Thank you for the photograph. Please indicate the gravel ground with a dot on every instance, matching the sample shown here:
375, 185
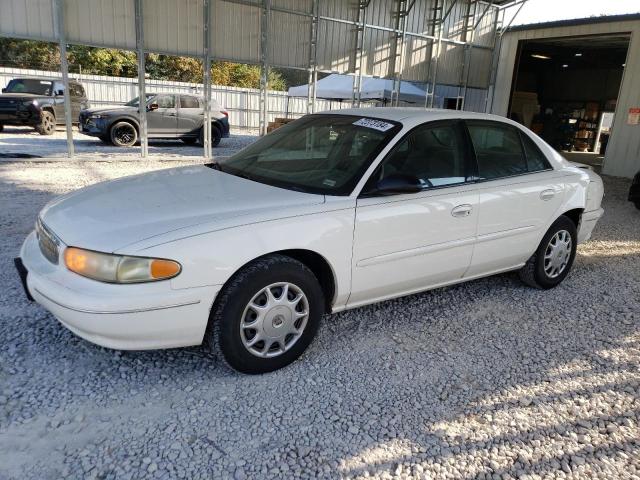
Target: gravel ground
17, 141
489, 379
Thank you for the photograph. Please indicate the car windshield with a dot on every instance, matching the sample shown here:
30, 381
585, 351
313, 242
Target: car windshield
134, 102
28, 85
324, 154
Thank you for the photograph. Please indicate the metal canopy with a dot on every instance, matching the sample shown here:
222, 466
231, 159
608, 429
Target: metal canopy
448, 42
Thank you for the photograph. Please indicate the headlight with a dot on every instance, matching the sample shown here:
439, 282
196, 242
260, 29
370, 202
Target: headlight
28, 103
106, 267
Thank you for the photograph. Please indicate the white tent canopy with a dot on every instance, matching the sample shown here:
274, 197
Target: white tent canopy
340, 87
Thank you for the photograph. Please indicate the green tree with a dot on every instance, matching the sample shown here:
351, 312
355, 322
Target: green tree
29, 54
103, 61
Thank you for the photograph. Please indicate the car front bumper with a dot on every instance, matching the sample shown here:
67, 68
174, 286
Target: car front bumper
125, 317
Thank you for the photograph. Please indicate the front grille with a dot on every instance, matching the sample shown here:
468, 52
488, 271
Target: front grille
48, 242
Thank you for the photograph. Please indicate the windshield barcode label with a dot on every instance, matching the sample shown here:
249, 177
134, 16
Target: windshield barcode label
375, 124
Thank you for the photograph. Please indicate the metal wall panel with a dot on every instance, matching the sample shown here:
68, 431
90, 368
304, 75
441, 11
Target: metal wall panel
108, 23
173, 27
377, 53
284, 28
623, 150
417, 58
235, 32
337, 40
31, 19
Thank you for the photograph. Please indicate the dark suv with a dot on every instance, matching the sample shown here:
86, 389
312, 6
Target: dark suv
169, 115
39, 103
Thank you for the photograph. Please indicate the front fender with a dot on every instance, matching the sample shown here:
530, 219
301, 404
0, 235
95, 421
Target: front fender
212, 258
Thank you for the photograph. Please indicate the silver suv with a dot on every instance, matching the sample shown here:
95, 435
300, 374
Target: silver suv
169, 115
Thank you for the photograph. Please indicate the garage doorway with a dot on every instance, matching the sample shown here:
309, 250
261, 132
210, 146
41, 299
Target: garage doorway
566, 90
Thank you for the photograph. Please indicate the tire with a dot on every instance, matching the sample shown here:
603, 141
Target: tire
123, 134
189, 140
47, 125
231, 335
1, 127
560, 244
216, 136
636, 203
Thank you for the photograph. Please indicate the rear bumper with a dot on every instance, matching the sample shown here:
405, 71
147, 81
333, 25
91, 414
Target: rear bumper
588, 223
125, 317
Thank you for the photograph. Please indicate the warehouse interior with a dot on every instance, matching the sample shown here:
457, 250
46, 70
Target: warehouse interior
566, 89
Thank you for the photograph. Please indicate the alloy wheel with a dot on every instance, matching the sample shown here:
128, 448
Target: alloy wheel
274, 320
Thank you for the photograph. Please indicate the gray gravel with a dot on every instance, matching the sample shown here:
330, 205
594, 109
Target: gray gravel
16, 141
489, 379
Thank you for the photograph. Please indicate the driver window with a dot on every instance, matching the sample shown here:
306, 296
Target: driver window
165, 101
435, 154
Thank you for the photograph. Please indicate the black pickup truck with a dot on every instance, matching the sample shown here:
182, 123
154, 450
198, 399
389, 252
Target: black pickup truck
39, 103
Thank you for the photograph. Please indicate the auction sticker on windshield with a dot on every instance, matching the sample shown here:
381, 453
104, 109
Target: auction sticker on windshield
375, 124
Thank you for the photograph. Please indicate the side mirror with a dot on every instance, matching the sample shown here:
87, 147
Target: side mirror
59, 93
397, 183
152, 107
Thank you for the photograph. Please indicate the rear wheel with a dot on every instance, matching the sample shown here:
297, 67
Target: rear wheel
554, 257
47, 125
267, 314
216, 136
123, 134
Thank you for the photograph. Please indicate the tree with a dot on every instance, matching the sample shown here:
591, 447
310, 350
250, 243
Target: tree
29, 54
103, 61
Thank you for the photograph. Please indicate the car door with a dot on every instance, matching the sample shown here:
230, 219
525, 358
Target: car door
163, 121
410, 242
58, 101
520, 195
190, 115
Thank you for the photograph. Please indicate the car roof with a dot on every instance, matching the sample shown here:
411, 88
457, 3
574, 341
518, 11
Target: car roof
402, 114
46, 79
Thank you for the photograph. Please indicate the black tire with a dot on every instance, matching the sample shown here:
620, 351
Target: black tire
216, 136
224, 333
189, 140
534, 272
123, 134
636, 203
1, 127
47, 125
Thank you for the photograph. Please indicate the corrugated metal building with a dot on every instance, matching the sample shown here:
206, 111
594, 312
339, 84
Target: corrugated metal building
593, 61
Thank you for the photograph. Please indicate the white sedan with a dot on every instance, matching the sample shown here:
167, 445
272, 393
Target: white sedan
333, 211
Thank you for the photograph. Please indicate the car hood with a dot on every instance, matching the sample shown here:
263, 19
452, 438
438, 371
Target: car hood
22, 96
112, 215
111, 109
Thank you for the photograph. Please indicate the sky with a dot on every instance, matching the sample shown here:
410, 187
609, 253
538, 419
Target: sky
535, 11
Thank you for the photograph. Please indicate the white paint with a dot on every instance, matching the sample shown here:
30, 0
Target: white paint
213, 223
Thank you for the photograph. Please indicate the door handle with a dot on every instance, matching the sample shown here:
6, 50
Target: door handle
462, 210
547, 194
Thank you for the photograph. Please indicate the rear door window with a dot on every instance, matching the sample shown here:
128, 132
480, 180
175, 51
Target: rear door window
498, 150
536, 161
188, 102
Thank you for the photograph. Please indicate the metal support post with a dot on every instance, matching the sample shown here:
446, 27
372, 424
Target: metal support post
142, 95
439, 16
206, 65
313, 59
467, 37
64, 66
360, 32
264, 65
397, 64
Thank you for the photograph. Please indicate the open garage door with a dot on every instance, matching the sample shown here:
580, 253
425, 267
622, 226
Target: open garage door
566, 90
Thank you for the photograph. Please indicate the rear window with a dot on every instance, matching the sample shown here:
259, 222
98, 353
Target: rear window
536, 161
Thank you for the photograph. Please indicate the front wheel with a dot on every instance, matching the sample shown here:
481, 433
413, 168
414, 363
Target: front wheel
554, 257
123, 134
267, 315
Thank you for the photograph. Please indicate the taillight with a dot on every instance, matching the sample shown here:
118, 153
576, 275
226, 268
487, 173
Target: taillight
225, 113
